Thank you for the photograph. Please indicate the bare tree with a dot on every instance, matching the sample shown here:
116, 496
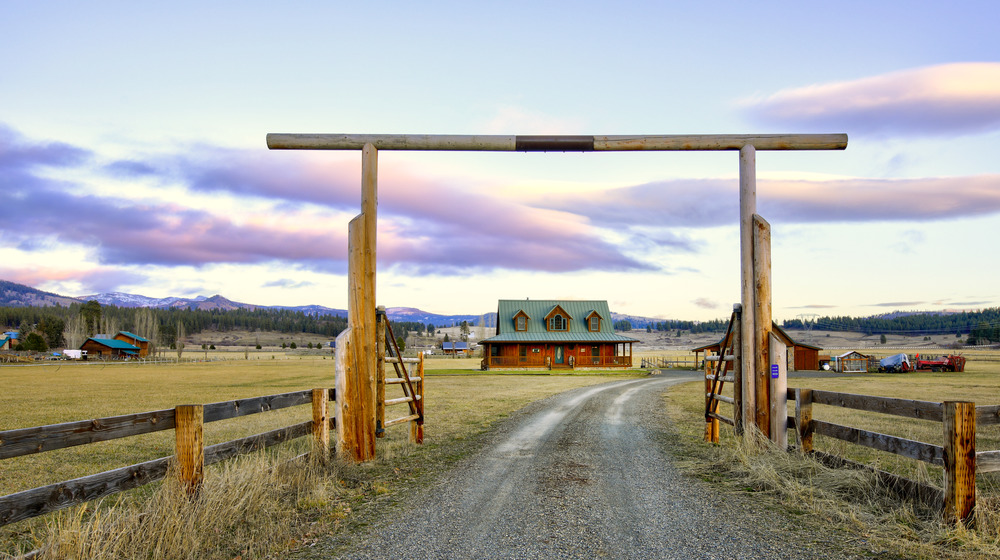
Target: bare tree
180, 339
75, 331
147, 326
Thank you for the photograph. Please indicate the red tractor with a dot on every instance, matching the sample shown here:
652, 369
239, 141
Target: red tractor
941, 363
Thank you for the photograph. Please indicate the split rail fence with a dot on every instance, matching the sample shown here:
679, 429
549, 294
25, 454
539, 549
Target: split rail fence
191, 455
659, 362
957, 455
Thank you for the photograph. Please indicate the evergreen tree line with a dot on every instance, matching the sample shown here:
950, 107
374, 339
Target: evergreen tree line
70, 326
983, 324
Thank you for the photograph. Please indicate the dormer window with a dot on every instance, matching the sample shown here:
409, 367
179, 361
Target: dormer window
557, 319
594, 322
557, 323
521, 321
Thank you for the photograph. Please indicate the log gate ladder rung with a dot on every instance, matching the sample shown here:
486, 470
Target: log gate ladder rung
715, 381
412, 396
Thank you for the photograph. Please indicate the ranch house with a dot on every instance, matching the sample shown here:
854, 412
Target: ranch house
458, 348
555, 334
109, 348
801, 356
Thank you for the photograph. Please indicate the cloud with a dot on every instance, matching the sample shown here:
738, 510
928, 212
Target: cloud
289, 284
714, 202
813, 306
898, 304
948, 99
427, 226
705, 303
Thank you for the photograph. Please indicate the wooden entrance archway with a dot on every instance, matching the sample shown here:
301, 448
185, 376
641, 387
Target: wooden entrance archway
356, 381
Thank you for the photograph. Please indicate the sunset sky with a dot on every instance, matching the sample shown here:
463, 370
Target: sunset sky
133, 157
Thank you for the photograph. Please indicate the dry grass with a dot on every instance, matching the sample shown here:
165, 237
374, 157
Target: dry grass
851, 498
252, 507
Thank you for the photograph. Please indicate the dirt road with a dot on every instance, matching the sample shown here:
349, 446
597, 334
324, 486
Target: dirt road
582, 475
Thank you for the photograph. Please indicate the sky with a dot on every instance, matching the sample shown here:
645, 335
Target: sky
133, 156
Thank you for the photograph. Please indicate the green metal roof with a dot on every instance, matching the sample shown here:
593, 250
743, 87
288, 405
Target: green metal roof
116, 344
133, 336
538, 309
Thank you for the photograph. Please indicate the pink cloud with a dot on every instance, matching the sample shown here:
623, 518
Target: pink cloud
948, 99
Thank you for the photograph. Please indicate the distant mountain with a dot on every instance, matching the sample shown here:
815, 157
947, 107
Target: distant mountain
19, 295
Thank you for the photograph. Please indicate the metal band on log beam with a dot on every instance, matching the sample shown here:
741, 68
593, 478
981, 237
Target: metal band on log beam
562, 143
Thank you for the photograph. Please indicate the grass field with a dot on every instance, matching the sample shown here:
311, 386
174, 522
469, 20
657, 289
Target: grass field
460, 404
457, 408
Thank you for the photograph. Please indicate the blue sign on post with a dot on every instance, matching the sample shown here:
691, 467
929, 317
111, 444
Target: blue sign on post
774, 371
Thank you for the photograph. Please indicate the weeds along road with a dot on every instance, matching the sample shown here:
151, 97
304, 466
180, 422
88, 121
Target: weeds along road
583, 474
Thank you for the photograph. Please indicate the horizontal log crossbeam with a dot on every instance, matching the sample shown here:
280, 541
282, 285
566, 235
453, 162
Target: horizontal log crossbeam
528, 143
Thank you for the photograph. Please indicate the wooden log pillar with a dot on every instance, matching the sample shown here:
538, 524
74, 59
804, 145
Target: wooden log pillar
748, 207
320, 425
343, 409
417, 426
380, 324
803, 419
762, 322
778, 389
960, 462
737, 370
190, 445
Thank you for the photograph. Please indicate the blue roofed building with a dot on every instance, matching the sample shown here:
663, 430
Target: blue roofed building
109, 349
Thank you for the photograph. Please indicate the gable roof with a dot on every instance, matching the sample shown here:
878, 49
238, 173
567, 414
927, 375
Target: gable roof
539, 309
132, 336
455, 345
778, 331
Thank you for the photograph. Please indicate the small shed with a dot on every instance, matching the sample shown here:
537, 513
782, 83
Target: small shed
801, 356
850, 362
6, 343
461, 348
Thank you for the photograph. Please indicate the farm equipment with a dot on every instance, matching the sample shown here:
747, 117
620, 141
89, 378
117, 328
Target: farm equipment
897, 363
942, 363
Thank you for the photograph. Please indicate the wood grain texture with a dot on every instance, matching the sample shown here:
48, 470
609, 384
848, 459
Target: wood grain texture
748, 207
26, 441
190, 448
509, 143
920, 451
761, 234
959, 462
255, 405
47, 499
923, 410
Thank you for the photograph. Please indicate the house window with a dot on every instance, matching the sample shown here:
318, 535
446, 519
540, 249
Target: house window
595, 324
557, 323
521, 323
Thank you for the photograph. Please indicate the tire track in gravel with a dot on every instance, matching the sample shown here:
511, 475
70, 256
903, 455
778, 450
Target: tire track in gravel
583, 476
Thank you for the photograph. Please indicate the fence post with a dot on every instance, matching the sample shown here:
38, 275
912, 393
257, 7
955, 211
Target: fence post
761, 312
803, 419
417, 426
960, 462
380, 320
321, 425
190, 445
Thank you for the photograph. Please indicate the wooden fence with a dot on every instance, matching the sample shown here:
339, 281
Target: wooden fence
688, 362
191, 456
957, 455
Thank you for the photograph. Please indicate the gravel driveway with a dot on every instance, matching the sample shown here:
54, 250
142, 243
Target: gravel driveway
583, 475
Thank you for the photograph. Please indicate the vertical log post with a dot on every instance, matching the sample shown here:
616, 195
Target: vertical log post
321, 425
190, 445
762, 322
960, 462
779, 391
738, 370
711, 424
803, 419
417, 426
343, 409
359, 393
748, 207
380, 324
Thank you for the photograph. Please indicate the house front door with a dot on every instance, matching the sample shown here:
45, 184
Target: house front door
560, 359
